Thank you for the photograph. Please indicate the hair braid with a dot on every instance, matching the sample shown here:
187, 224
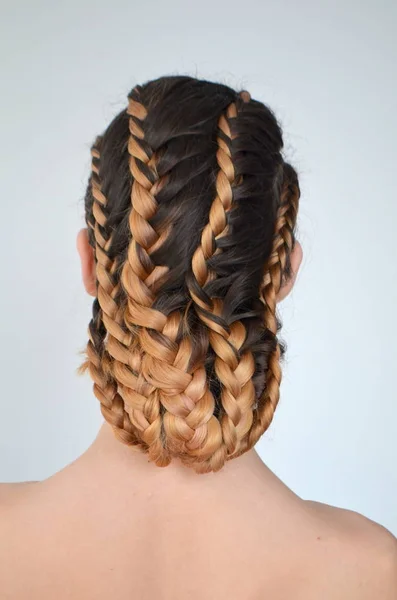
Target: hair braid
184, 425
233, 369
106, 315
277, 268
138, 275
217, 226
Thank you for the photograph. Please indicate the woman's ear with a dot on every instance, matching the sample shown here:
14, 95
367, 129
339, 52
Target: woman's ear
87, 260
296, 259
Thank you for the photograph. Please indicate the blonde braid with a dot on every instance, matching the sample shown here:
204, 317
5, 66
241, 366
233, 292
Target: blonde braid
283, 243
106, 317
171, 408
138, 274
233, 371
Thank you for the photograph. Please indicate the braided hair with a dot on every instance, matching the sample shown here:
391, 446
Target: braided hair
191, 211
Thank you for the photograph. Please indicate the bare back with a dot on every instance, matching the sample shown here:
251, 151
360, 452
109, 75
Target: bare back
73, 537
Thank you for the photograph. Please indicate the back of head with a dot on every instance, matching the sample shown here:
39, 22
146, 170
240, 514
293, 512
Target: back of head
191, 210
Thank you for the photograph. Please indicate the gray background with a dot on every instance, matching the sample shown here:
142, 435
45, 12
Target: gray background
328, 70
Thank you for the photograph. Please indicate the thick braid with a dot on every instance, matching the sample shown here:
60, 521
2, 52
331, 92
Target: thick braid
171, 408
233, 371
278, 265
139, 276
106, 315
191, 429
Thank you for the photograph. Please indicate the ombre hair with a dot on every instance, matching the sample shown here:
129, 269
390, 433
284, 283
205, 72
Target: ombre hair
191, 211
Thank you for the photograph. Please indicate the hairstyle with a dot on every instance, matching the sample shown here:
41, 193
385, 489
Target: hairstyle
191, 210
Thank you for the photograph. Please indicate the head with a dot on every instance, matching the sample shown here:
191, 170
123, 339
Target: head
189, 246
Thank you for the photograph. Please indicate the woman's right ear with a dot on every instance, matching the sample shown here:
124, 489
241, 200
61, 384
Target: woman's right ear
87, 260
296, 259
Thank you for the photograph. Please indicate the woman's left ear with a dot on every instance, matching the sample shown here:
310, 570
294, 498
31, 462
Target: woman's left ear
87, 260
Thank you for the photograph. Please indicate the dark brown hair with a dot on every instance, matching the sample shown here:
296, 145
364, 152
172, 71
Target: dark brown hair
192, 212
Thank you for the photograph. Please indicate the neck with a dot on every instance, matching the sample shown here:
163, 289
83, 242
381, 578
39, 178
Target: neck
115, 459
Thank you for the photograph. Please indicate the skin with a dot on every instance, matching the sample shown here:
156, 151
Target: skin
112, 524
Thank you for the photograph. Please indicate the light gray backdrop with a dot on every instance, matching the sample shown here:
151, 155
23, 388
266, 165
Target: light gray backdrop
328, 70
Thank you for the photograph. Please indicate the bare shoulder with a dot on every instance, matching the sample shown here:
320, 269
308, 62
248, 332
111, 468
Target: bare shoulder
12, 492
367, 551
14, 497
356, 525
